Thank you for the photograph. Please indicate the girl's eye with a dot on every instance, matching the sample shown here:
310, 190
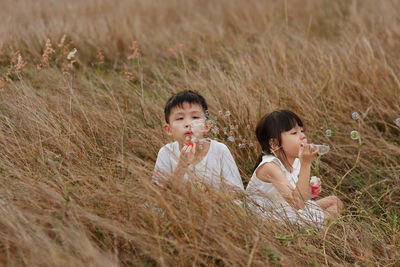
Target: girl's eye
195, 117
294, 133
179, 119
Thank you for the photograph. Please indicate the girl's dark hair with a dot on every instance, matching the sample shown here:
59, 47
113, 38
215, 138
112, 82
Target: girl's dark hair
178, 99
271, 126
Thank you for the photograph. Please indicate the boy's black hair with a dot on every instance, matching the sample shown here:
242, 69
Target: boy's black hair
271, 126
178, 99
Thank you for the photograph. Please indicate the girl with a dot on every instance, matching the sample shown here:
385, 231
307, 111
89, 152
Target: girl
280, 185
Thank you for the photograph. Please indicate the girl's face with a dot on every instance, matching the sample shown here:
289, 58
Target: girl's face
291, 141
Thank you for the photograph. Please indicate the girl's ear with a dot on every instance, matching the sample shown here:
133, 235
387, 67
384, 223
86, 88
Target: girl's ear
167, 129
274, 144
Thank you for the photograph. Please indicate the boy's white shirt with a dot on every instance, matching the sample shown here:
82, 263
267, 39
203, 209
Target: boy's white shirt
217, 165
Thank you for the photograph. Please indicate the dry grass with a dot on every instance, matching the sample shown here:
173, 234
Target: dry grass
78, 144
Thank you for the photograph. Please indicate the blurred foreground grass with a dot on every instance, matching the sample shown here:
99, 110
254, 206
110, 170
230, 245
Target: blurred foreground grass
79, 135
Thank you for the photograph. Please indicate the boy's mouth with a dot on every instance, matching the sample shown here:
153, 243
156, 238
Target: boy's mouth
188, 137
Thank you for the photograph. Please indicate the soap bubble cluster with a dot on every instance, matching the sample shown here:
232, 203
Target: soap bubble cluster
225, 128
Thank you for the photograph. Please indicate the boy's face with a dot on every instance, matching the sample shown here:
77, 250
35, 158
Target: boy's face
180, 119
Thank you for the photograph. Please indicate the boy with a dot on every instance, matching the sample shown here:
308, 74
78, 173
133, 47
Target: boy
209, 161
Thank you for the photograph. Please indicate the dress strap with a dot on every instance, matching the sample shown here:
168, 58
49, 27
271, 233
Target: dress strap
271, 158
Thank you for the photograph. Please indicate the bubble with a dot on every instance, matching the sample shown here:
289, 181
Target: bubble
328, 133
198, 127
215, 130
227, 113
241, 146
354, 135
323, 149
397, 122
355, 116
220, 113
231, 139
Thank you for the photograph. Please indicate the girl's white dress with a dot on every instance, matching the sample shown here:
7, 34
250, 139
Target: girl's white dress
269, 202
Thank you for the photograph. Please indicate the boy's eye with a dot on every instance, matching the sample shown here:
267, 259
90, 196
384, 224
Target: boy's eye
196, 117
179, 119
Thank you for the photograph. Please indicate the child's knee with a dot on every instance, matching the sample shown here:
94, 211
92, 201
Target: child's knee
340, 204
337, 202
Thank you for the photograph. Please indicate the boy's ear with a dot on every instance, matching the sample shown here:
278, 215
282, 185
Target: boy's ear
167, 129
207, 126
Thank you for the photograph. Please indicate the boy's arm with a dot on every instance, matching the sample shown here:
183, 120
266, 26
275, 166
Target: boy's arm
163, 166
229, 170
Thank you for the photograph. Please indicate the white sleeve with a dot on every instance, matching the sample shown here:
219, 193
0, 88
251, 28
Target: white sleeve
229, 170
163, 166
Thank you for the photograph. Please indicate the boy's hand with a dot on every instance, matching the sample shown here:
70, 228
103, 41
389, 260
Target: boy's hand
187, 154
185, 159
307, 153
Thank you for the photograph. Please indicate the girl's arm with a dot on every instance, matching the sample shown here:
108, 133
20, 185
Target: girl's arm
303, 186
306, 155
296, 197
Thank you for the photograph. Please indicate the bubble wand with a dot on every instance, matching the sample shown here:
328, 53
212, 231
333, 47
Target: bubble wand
322, 149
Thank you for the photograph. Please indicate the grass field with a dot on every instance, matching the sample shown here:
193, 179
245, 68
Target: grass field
80, 131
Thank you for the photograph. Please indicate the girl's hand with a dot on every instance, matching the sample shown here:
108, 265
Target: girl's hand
307, 153
315, 186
